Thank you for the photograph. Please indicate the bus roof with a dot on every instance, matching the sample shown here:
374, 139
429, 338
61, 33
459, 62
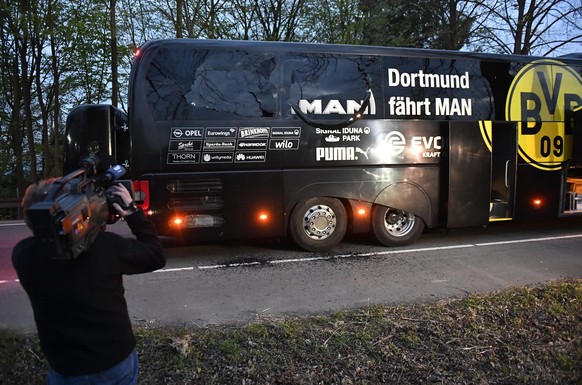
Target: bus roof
279, 46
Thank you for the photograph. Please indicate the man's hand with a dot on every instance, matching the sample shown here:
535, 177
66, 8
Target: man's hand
120, 191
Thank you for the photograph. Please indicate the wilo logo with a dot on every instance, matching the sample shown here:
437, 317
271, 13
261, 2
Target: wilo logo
335, 106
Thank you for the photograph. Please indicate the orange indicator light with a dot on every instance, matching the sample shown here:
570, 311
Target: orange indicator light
263, 217
177, 221
537, 202
361, 212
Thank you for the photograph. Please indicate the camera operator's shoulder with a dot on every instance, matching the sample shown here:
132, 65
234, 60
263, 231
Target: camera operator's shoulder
22, 245
26, 250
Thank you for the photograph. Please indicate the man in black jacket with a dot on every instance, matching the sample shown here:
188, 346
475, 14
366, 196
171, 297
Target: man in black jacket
79, 305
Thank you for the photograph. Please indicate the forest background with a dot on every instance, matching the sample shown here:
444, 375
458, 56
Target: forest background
57, 54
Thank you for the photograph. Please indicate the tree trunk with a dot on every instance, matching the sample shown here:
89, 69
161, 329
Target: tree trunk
114, 54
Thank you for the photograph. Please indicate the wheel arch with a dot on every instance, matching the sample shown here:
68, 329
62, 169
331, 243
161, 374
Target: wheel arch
409, 197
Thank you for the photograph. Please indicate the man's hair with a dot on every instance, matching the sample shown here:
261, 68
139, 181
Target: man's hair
36, 192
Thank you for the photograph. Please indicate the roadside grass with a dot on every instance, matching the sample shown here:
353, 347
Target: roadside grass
526, 335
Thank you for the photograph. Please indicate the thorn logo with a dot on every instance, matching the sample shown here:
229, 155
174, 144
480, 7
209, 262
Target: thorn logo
395, 143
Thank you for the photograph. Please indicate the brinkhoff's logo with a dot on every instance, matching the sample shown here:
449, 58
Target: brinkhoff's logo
254, 132
335, 106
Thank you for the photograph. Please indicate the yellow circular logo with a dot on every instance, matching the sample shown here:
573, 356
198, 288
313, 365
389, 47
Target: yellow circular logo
541, 95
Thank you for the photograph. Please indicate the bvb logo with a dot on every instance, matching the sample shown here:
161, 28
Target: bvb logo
540, 98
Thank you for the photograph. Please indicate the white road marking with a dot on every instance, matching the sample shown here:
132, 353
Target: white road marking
377, 253
371, 254
529, 240
242, 264
174, 269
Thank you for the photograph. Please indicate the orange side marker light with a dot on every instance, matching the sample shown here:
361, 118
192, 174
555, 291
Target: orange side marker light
177, 221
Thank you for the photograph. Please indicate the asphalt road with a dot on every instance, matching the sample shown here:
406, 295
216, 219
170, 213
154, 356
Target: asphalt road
242, 282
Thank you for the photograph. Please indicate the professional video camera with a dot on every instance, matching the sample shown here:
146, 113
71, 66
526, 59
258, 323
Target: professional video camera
76, 208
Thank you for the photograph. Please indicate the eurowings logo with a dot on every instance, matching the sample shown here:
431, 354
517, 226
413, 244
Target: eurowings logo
336, 106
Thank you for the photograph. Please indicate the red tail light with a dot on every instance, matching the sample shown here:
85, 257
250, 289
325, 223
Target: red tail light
142, 193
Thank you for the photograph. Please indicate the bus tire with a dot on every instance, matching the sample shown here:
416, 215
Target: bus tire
318, 223
394, 227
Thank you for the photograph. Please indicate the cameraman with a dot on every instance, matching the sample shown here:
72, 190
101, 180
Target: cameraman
79, 305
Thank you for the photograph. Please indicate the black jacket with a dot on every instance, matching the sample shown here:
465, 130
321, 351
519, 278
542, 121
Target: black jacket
79, 305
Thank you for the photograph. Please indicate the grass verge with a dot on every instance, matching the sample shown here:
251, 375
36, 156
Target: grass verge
526, 335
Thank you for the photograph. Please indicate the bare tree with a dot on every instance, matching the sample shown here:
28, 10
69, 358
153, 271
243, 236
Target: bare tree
444, 24
526, 27
194, 18
279, 19
455, 21
243, 19
114, 53
25, 34
334, 21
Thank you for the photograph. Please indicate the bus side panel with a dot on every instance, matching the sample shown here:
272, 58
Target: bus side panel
574, 119
533, 184
368, 185
230, 203
469, 176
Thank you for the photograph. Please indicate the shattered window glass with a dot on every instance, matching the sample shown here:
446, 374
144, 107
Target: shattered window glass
208, 84
325, 82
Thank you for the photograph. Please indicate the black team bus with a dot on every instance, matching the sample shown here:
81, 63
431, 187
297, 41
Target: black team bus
233, 139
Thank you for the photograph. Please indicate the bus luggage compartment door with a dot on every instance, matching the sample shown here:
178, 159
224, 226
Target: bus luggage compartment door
469, 175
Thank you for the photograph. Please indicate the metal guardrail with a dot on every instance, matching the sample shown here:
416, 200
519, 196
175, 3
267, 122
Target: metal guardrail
10, 203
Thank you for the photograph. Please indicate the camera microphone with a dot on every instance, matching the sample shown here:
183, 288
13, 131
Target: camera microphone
114, 173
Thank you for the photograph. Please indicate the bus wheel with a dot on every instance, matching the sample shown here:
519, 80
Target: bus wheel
318, 223
393, 227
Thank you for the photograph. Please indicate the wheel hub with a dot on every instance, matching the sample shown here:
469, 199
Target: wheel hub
393, 218
319, 222
399, 223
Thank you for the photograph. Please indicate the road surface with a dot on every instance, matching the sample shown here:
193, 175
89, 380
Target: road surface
242, 282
